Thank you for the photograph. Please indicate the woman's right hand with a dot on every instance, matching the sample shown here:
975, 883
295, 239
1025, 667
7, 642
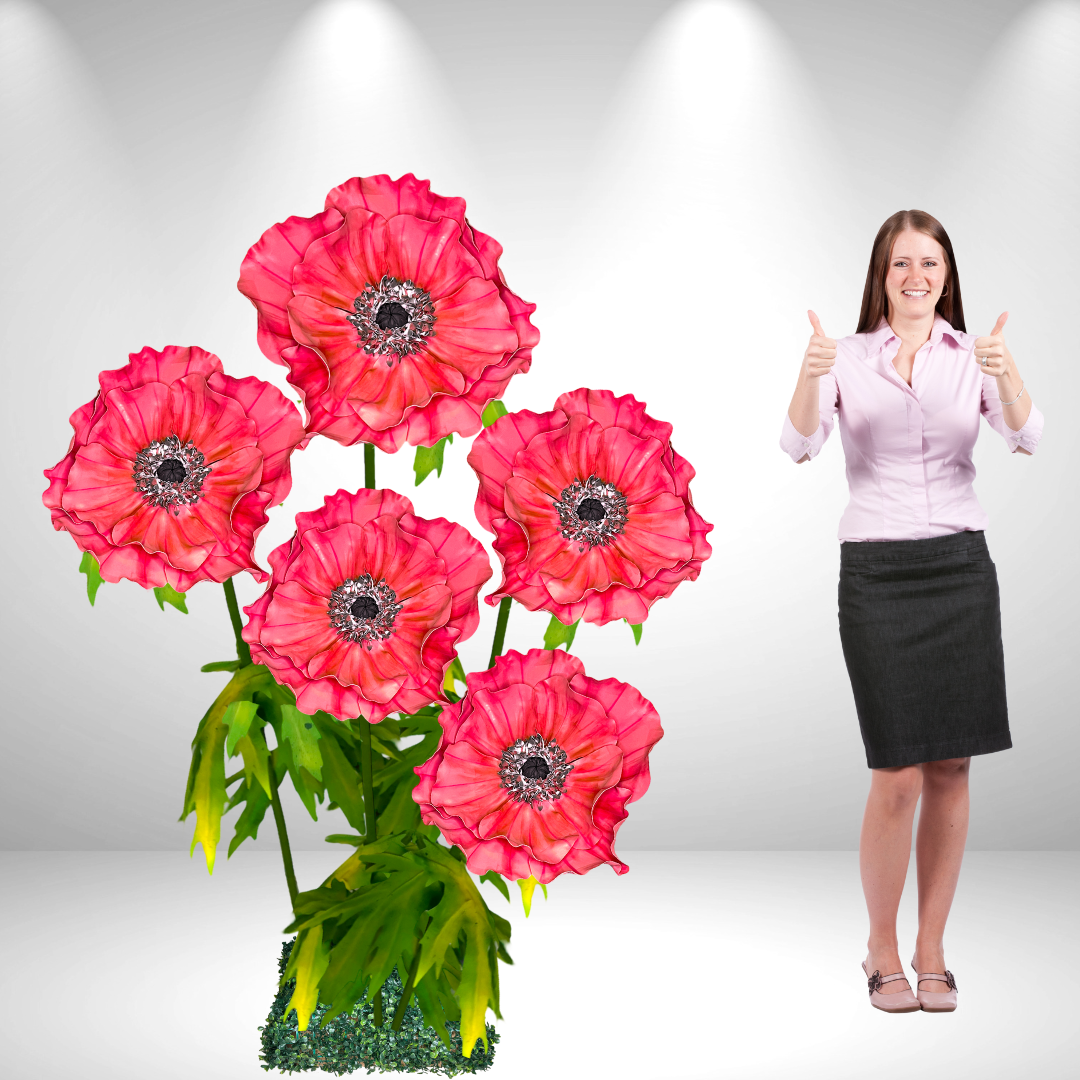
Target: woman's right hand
821, 352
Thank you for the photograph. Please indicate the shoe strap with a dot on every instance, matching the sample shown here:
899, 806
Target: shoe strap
933, 976
876, 981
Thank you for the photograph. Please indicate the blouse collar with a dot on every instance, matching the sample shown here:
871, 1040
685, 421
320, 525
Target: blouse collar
884, 334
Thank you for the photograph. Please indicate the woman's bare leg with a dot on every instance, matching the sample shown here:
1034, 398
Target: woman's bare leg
884, 851
939, 850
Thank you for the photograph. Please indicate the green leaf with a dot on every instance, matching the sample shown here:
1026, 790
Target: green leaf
461, 912
205, 791
221, 665
166, 594
636, 627
257, 802
89, 566
496, 879
343, 783
256, 758
311, 955
455, 673
308, 787
492, 411
423, 890
304, 738
430, 459
237, 719
558, 633
528, 887
400, 813
382, 920
206, 784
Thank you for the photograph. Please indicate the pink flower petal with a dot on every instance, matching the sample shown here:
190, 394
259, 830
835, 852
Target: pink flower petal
337, 267
356, 508
591, 776
466, 563
168, 366
460, 790
388, 198
266, 275
304, 275
544, 833
637, 724
571, 719
494, 451
611, 411
467, 783
499, 719
99, 487
525, 461
429, 253
278, 429
472, 329
352, 535
133, 419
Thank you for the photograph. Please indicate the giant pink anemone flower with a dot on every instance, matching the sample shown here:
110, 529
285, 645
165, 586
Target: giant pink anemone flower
590, 506
172, 467
366, 604
536, 765
391, 313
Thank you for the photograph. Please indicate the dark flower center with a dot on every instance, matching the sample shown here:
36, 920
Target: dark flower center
535, 768
591, 512
534, 771
391, 316
171, 471
364, 608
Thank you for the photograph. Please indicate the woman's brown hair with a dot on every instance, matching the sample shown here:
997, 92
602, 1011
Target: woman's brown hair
875, 303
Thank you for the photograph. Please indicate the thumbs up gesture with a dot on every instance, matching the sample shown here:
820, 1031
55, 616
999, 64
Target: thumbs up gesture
991, 351
821, 352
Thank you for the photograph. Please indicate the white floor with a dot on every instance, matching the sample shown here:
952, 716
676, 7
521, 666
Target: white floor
137, 964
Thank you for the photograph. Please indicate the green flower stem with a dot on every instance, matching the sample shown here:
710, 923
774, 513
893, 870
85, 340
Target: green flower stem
365, 777
369, 465
243, 650
406, 993
283, 837
377, 1003
232, 779
500, 630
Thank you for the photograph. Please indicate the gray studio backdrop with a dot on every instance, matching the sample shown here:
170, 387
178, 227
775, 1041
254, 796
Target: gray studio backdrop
674, 184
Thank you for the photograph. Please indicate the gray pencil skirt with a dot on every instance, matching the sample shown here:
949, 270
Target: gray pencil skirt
920, 625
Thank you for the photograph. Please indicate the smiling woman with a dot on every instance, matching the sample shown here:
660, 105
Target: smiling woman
920, 620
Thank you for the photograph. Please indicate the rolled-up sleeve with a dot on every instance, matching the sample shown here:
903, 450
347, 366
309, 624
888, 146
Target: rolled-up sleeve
794, 443
1027, 438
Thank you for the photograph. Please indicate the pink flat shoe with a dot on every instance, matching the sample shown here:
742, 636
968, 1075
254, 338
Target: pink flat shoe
932, 1001
901, 1002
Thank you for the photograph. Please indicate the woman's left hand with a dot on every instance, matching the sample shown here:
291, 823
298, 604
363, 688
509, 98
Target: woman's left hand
992, 349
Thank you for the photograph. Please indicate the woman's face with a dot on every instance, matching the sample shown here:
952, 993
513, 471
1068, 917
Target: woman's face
917, 272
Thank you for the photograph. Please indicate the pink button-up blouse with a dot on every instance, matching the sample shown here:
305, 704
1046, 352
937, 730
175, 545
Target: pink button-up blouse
908, 448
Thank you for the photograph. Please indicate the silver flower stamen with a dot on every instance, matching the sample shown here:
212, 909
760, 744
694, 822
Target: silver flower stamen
591, 512
362, 609
393, 318
170, 473
533, 771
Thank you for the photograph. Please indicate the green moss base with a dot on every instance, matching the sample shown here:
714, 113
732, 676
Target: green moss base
352, 1041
